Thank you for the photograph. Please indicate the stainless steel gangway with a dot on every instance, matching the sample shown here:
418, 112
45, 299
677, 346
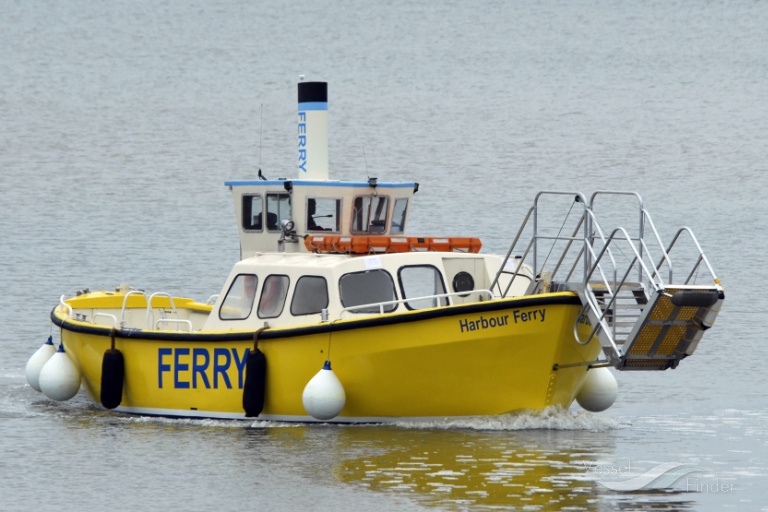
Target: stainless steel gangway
647, 313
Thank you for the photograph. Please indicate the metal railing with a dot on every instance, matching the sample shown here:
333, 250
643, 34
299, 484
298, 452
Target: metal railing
177, 321
582, 257
381, 306
149, 317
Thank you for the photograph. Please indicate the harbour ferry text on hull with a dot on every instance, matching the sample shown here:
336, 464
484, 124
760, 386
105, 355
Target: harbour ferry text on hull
333, 313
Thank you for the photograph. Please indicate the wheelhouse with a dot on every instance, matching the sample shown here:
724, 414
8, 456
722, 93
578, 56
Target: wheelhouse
274, 215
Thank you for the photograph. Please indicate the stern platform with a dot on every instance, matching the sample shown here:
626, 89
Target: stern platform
647, 303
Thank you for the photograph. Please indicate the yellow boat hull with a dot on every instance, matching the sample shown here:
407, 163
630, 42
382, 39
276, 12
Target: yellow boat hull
483, 359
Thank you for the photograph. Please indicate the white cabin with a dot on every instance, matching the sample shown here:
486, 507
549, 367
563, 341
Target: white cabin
291, 289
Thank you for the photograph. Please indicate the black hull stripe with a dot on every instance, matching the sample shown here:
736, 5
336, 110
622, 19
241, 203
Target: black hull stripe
387, 319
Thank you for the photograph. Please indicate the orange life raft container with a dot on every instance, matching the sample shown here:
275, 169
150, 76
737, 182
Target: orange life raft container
389, 244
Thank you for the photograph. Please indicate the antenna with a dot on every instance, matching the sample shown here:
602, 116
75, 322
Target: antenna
261, 127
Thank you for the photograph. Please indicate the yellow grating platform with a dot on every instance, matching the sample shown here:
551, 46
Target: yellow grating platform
645, 363
662, 309
671, 339
645, 339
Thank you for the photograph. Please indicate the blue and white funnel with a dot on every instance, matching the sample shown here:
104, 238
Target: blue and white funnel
313, 130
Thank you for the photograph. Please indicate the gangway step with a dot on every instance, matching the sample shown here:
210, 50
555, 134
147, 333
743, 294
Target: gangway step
670, 327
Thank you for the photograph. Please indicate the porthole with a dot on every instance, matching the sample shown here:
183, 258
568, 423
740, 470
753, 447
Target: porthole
463, 282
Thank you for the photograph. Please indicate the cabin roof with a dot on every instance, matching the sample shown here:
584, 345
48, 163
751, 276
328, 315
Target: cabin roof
318, 183
308, 261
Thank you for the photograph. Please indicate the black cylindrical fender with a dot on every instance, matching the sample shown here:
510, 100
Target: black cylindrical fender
255, 383
112, 376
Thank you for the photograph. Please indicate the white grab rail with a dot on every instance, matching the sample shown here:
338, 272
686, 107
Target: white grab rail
108, 315
125, 304
382, 305
69, 308
176, 321
151, 313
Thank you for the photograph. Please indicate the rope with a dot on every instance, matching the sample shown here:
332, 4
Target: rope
256, 337
330, 335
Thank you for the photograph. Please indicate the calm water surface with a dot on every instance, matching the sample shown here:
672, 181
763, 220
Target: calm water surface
121, 121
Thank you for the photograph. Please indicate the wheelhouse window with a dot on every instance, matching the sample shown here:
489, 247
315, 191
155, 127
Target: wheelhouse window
323, 214
273, 295
238, 302
422, 281
398, 215
370, 214
278, 209
253, 211
310, 295
367, 287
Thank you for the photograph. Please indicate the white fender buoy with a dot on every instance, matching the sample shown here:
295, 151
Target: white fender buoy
324, 396
59, 378
599, 390
37, 361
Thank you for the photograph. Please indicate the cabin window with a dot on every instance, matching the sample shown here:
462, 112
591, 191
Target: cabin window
310, 295
323, 214
370, 214
368, 287
252, 213
278, 210
238, 302
273, 295
422, 281
520, 281
398, 215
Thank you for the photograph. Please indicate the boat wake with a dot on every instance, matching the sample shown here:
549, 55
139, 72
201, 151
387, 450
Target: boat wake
212, 422
550, 418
